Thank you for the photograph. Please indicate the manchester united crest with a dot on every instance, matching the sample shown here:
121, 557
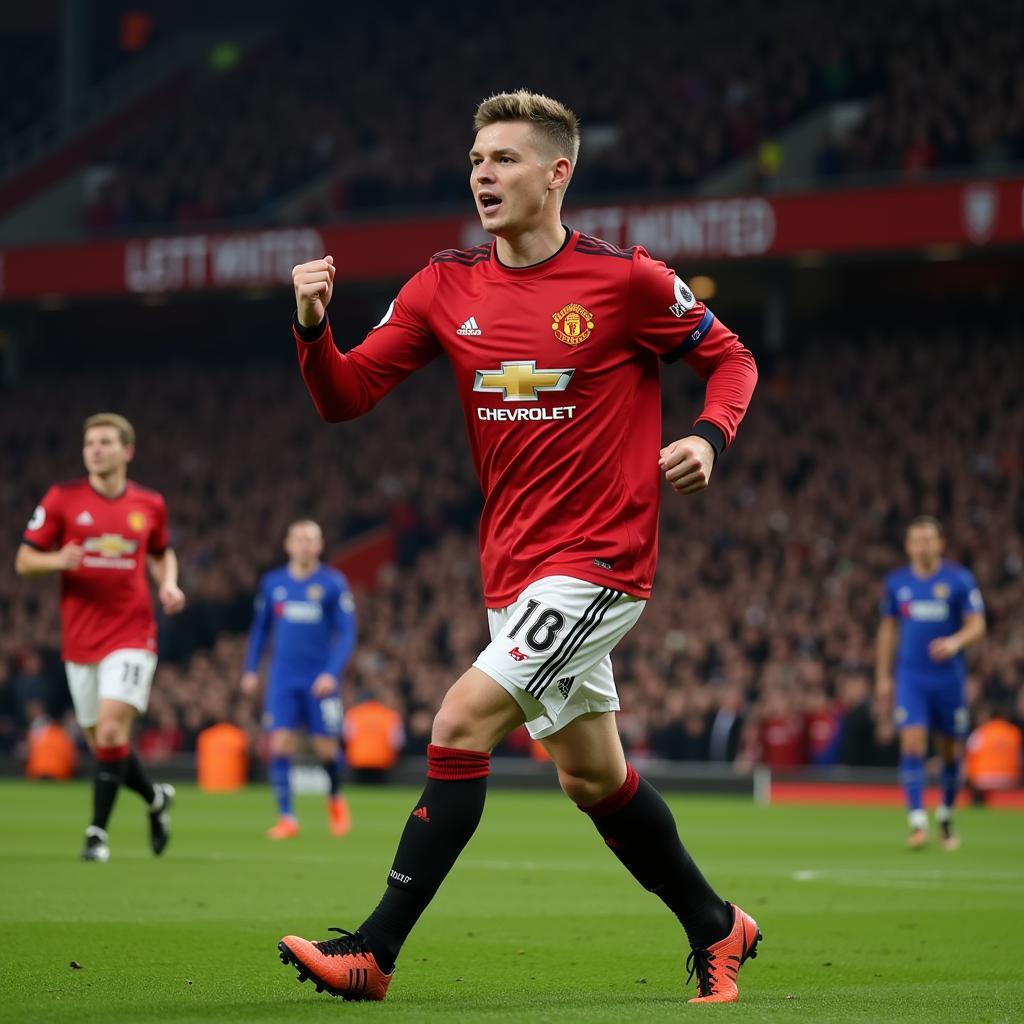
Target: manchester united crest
572, 324
137, 521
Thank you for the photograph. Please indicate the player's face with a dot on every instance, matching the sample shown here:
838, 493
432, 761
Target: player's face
304, 544
924, 545
511, 180
103, 451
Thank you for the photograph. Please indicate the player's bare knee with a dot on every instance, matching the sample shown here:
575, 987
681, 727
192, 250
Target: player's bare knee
454, 728
585, 789
282, 743
911, 748
110, 734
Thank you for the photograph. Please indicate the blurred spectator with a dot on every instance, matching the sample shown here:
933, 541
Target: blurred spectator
51, 751
857, 744
374, 737
770, 158
726, 723
222, 758
824, 724
993, 760
30, 684
8, 714
781, 736
681, 732
161, 736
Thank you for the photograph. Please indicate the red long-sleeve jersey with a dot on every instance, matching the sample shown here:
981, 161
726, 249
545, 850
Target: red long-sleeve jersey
558, 369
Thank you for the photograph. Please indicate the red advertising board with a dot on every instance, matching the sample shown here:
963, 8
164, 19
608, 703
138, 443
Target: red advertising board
685, 232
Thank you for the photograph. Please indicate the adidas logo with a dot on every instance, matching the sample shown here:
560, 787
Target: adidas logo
84, 519
470, 328
421, 813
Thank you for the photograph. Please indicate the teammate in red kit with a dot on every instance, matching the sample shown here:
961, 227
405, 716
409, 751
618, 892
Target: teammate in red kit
555, 340
99, 532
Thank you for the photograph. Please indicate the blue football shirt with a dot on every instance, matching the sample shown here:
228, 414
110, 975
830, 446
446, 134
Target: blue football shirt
309, 623
927, 608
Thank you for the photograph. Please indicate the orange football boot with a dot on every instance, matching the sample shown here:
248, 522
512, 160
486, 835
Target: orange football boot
286, 828
717, 965
344, 966
339, 815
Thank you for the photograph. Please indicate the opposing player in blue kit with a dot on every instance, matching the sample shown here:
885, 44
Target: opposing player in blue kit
309, 609
931, 610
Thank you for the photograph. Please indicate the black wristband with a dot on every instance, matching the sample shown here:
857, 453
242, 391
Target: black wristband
712, 434
309, 333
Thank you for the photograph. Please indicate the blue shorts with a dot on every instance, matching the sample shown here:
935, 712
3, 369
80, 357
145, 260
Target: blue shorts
940, 707
293, 706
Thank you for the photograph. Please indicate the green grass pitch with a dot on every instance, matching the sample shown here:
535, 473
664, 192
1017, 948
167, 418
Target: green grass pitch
538, 922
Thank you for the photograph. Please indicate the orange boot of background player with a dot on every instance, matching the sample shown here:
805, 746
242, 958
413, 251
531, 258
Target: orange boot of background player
339, 816
286, 828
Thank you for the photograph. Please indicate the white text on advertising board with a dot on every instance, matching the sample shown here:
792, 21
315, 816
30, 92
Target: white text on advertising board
193, 262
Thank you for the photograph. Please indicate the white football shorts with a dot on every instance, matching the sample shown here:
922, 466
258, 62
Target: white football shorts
124, 675
551, 649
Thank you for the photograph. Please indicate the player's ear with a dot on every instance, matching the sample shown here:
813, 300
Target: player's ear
561, 172
129, 452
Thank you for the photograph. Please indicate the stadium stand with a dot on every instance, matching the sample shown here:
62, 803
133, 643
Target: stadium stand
28, 80
226, 148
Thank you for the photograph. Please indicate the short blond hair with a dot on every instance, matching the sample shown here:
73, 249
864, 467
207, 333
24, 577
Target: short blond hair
553, 123
125, 430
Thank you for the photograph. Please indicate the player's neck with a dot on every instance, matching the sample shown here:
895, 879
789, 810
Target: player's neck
533, 245
924, 570
110, 485
300, 570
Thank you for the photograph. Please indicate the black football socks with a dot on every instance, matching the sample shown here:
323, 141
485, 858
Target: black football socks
137, 779
442, 822
111, 767
332, 769
639, 829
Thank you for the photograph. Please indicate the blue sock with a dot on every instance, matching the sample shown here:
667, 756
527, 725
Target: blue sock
950, 782
334, 770
912, 778
280, 770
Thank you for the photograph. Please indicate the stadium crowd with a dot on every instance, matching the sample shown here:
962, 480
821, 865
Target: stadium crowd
758, 643
673, 106
28, 80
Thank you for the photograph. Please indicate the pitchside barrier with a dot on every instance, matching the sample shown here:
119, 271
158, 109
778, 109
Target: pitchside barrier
832, 785
506, 772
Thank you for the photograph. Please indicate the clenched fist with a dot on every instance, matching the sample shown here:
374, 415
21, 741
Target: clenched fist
687, 464
314, 286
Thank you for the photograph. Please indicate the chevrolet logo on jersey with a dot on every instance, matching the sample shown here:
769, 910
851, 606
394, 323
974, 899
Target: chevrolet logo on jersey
110, 545
521, 381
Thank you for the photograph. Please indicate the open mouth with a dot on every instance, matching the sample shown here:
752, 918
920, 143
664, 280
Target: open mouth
488, 202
